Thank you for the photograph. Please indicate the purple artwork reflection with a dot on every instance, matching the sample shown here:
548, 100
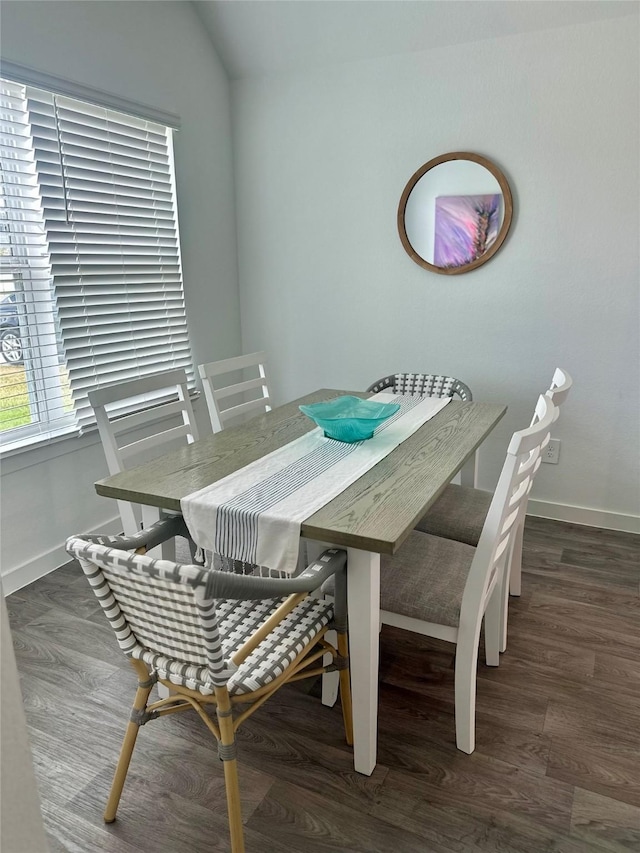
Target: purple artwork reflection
465, 227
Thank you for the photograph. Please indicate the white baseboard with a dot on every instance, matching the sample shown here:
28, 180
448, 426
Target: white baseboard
583, 515
49, 561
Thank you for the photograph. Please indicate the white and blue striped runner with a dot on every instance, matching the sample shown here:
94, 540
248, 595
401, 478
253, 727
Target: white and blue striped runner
255, 513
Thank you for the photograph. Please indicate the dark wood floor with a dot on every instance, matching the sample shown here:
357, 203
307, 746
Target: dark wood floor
557, 764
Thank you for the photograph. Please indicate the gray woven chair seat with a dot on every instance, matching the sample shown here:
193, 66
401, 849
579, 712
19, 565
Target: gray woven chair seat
458, 514
425, 579
238, 621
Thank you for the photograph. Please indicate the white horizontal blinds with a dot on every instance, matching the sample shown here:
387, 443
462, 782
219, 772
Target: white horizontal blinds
34, 395
107, 192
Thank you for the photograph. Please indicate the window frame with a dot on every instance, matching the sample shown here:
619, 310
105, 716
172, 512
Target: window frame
35, 435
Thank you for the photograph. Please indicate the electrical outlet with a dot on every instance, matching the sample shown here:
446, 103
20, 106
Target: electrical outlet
551, 453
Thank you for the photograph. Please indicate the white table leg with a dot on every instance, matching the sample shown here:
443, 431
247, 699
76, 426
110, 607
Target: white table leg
363, 593
469, 472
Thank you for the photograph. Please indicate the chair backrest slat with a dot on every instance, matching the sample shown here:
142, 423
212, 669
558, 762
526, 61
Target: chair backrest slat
243, 409
132, 421
137, 387
239, 388
135, 448
238, 362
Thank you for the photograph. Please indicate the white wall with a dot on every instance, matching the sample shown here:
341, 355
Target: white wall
155, 53
327, 289
21, 828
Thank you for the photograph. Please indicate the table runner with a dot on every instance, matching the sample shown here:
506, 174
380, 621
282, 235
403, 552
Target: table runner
254, 514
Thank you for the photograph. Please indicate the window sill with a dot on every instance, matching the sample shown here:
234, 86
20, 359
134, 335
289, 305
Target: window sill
42, 448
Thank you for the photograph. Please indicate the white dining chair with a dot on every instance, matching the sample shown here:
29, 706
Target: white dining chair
133, 420
558, 392
226, 394
424, 385
460, 512
444, 589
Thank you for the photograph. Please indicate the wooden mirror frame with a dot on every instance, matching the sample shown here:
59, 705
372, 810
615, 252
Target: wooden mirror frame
504, 228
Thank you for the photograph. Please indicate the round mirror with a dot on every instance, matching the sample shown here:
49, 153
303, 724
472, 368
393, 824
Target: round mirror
454, 213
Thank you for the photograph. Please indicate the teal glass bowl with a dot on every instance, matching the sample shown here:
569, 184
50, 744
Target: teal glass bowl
349, 419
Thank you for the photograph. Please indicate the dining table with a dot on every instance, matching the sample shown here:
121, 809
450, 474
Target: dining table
371, 517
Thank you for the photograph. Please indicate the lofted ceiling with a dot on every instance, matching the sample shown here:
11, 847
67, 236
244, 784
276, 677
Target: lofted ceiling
256, 37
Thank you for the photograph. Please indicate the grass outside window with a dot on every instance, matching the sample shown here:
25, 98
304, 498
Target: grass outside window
14, 396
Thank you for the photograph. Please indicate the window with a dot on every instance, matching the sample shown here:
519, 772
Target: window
90, 276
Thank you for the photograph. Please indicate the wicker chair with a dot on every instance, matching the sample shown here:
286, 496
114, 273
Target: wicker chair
460, 512
214, 638
425, 384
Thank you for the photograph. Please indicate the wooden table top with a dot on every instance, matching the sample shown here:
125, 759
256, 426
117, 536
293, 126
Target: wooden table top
376, 513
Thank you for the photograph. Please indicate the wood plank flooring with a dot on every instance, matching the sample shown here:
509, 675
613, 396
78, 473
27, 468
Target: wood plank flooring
556, 768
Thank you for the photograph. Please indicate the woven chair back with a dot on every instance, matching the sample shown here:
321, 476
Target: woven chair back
157, 608
424, 385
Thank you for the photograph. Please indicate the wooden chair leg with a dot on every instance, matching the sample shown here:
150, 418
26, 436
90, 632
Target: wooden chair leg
493, 626
465, 692
139, 705
233, 805
227, 750
345, 689
516, 560
512, 580
504, 604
